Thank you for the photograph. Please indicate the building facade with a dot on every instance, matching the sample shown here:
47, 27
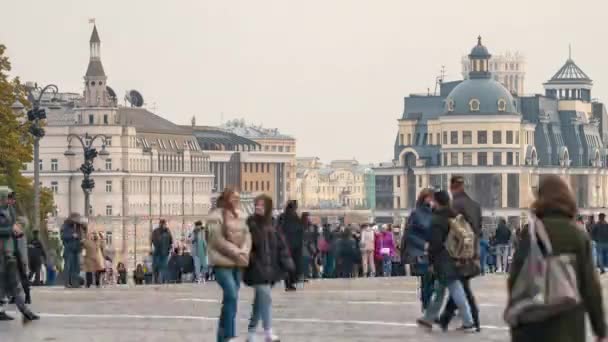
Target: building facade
502, 144
155, 169
340, 184
508, 68
270, 165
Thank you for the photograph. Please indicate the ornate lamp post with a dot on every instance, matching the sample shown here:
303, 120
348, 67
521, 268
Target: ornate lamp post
90, 153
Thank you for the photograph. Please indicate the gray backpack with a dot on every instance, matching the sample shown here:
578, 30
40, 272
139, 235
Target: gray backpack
546, 286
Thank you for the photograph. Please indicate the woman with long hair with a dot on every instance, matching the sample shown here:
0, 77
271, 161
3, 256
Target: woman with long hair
229, 247
268, 263
556, 208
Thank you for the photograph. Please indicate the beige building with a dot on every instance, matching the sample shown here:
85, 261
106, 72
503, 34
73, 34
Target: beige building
341, 183
500, 143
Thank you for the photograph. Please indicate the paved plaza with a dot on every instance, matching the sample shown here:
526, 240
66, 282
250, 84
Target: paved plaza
327, 310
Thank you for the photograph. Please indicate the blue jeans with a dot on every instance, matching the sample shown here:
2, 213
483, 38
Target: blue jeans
387, 265
484, 245
602, 255
502, 257
72, 268
229, 279
262, 306
426, 289
458, 295
160, 264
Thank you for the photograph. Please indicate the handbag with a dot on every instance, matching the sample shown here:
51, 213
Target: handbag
546, 286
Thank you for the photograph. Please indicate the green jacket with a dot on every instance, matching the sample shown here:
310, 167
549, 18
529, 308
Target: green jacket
569, 327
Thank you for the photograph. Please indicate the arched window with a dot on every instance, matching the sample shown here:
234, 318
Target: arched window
502, 105
474, 105
450, 105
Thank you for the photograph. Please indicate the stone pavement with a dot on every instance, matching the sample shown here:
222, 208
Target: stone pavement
326, 310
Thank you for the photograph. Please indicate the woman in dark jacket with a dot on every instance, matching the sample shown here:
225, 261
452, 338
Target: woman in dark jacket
346, 254
292, 228
269, 261
556, 208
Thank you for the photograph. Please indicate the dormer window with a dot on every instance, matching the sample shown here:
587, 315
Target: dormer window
502, 105
450, 105
474, 105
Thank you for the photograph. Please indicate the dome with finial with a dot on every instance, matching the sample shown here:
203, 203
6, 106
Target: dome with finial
479, 51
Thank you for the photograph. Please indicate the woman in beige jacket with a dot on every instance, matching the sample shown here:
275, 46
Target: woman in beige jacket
229, 247
93, 259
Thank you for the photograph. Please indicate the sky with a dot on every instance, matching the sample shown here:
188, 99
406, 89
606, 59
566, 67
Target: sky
331, 73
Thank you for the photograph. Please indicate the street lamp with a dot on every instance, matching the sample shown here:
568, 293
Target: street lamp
90, 153
35, 116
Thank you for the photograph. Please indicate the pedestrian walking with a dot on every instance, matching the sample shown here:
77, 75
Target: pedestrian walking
556, 209
503, 245
346, 254
162, 241
292, 228
71, 236
229, 248
199, 252
468, 269
93, 259
36, 258
269, 261
385, 249
417, 238
599, 235
444, 267
367, 246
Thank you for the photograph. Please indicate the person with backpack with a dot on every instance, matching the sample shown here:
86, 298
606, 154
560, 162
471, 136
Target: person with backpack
417, 237
503, 243
269, 261
555, 211
468, 267
367, 245
444, 267
162, 240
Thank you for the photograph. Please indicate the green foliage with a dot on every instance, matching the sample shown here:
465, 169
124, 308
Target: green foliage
16, 146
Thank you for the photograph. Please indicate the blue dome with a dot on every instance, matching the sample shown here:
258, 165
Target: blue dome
480, 96
479, 51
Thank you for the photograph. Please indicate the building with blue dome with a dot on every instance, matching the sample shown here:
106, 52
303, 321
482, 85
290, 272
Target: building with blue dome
501, 142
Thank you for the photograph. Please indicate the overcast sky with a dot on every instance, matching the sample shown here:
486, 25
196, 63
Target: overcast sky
332, 73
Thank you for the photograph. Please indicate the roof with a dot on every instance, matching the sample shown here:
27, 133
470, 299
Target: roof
145, 121
570, 72
479, 51
211, 138
485, 90
94, 36
239, 127
95, 68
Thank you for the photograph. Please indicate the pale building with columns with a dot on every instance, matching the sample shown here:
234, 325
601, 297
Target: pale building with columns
508, 68
502, 144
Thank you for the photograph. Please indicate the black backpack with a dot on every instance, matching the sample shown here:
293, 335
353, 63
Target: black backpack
6, 223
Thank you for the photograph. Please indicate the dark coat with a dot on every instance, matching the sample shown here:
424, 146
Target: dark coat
503, 235
599, 232
418, 232
463, 204
565, 238
269, 259
293, 229
162, 241
443, 265
70, 236
35, 252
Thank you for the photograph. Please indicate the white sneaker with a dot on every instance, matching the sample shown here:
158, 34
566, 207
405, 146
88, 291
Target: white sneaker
272, 338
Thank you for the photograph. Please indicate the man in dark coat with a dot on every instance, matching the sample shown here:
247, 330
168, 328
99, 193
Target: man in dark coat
36, 256
467, 207
71, 236
162, 240
599, 235
292, 228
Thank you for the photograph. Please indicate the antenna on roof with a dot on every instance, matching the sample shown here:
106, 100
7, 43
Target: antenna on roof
439, 79
569, 51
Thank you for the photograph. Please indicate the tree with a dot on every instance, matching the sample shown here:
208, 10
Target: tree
16, 146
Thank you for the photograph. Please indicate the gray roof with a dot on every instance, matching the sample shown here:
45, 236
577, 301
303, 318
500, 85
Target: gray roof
212, 138
95, 36
487, 91
147, 122
479, 51
570, 72
95, 68
239, 127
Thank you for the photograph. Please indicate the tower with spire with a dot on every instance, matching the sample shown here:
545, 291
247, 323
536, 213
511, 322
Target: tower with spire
95, 91
569, 82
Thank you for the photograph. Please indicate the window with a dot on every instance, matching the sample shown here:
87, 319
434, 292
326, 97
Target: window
509, 137
430, 138
40, 164
109, 141
280, 148
417, 141
274, 148
482, 137
257, 186
245, 186
398, 181
454, 137
453, 158
287, 149
268, 185
438, 141
425, 138
105, 119
108, 164
108, 186
516, 137
108, 210
109, 239
401, 139
450, 105
474, 105
257, 167
482, 158
497, 158
467, 137
509, 158
54, 187
409, 138
445, 138
91, 119
497, 137
445, 159
502, 105
467, 158
54, 165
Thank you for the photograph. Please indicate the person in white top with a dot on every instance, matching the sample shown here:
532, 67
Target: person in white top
367, 245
